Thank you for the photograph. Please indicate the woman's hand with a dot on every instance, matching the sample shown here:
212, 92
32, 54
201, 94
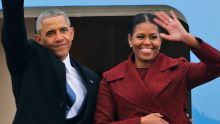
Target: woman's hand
172, 25
176, 31
153, 118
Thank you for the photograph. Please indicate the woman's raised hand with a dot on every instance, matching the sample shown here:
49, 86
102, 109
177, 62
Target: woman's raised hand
176, 31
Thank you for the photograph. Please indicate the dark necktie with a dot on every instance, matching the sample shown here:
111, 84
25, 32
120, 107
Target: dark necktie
71, 97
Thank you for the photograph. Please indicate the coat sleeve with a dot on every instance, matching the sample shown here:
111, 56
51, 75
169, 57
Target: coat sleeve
206, 70
14, 35
106, 108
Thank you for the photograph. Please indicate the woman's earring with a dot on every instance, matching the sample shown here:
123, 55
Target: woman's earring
130, 45
159, 48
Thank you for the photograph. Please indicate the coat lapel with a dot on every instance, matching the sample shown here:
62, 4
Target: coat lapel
91, 85
157, 78
132, 89
78, 68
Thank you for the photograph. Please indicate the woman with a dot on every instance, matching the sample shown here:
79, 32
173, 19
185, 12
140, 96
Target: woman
150, 87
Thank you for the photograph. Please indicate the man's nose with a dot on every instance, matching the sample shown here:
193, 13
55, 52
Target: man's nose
59, 36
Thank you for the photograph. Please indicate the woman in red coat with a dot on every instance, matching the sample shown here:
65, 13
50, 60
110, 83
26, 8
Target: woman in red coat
150, 87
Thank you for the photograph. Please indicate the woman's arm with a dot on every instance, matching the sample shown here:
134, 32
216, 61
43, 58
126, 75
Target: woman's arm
207, 69
197, 73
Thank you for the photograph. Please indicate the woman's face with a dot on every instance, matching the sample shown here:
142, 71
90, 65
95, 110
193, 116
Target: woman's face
145, 42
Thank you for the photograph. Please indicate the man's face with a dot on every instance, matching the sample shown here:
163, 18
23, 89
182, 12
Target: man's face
56, 35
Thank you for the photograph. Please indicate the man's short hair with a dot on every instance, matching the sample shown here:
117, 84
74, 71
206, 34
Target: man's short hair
50, 13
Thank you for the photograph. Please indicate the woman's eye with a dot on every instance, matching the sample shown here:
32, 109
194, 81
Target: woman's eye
153, 37
140, 37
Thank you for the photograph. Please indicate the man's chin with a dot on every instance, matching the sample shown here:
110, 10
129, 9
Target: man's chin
61, 56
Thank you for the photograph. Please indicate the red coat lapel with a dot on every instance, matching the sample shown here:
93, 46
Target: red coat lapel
132, 89
157, 78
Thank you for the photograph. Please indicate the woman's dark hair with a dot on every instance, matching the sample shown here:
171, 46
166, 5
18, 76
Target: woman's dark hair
140, 18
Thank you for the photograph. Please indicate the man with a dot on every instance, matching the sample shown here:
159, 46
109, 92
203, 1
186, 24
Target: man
44, 78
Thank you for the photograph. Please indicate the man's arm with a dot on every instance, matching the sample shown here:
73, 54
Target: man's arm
14, 35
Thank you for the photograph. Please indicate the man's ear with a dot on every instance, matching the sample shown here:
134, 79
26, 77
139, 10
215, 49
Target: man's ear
72, 32
37, 38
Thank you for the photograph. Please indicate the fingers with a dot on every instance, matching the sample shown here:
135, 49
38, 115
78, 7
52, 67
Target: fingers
161, 118
165, 36
162, 17
165, 18
173, 15
158, 115
159, 22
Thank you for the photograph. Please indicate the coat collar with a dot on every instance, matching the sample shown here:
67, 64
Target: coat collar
161, 62
80, 70
68, 64
164, 62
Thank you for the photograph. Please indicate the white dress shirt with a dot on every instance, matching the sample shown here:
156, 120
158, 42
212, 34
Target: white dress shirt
75, 82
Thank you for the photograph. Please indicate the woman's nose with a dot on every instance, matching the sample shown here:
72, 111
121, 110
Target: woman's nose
147, 41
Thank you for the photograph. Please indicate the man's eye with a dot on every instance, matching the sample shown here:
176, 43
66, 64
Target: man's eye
50, 33
64, 29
